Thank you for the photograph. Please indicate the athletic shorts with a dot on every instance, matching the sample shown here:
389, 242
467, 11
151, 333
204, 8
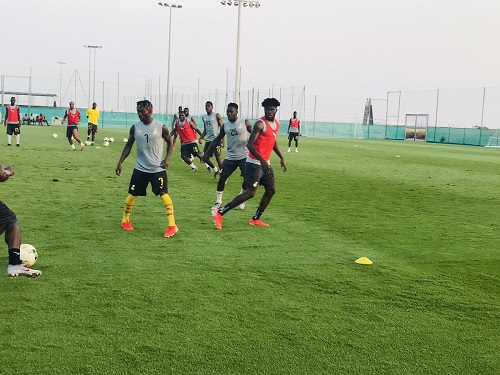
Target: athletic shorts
7, 217
294, 136
255, 176
69, 130
140, 180
216, 151
189, 149
92, 128
229, 166
13, 129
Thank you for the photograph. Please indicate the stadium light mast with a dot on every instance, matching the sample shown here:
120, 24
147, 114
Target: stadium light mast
60, 81
90, 53
239, 4
170, 6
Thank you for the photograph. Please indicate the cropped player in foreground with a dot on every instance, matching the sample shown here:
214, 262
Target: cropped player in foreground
236, 131
10, 225
150, 165
258, 171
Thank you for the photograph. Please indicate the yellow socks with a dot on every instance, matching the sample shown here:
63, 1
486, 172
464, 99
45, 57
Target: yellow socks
129, 204
169, 208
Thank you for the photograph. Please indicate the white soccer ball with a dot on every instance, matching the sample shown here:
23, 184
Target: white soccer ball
106, 139
88, 143
125, 140
105, 144
28, 254
111, 139
55, 135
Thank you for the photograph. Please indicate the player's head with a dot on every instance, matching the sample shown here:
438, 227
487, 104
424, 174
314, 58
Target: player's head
186, 111
71, 105
294, 114
182, 116
94, 105
12, 100
232, 112
144, 111
179, 109
209, 106
270, 108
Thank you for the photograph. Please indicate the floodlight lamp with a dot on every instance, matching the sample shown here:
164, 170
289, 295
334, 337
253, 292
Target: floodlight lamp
245, 4
223, 2
257, 4
179, 6
236, 3
229, 3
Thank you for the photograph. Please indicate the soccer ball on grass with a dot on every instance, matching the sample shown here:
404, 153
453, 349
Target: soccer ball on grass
28, 254
88, 143
55, 135
105, 144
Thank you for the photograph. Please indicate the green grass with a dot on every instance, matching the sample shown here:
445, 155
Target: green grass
288, 299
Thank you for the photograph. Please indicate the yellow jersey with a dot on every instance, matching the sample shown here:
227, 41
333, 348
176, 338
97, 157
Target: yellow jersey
93, 115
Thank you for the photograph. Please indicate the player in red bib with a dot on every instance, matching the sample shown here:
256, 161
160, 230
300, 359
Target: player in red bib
258, 171
12, 121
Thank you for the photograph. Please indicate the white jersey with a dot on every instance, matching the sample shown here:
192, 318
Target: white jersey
211, 126
236, 135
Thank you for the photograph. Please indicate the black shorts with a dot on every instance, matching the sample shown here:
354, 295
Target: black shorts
140, 180
189, 149
92, 128
255, 176
229, 166
69, 130
7, 217
13, 129
294, 136
216, 151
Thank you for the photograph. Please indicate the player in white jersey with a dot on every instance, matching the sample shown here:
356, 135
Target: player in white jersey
237, 131
212, 123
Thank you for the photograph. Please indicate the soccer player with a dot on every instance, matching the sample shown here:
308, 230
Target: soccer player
294, 131
10, 225
187, 131
150, 165
13, 122
73, 116
258, 171
93, 115
236, 131
212, 123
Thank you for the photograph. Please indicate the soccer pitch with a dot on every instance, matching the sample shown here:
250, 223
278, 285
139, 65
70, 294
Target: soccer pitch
287, 299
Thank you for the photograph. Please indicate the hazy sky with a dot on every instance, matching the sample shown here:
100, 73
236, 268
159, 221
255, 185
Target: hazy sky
344, 48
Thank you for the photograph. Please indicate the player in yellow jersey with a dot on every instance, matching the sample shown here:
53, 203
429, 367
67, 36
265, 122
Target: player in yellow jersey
93, 115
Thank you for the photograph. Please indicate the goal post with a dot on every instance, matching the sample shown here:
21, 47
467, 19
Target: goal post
494, 140
416, 127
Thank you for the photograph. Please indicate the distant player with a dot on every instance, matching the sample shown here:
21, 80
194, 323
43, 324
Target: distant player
73, 116
149, 166
10, 225
13, 122
212, 123
236, 130
93, 115
294, 131
258, 171
187, 131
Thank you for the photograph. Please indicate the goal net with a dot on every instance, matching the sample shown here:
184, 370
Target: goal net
494, 140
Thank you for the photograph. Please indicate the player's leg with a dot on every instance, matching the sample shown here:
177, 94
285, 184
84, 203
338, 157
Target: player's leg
186, 151
89, 131
267, 181
137, 186
228, 167
69, 135
10, 225
17, 132
94, 131
289, 142
159, 185
10, 131
296, 143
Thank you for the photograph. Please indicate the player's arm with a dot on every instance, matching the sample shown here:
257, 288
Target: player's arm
214, 143
19, 117
278, 152
126, 150
249, 126
256, 130
203, 134
6, 116
168, 139
289, 124
193, 125
79, 115
5, 173
64, 117
299, 127
193, 120
87, 114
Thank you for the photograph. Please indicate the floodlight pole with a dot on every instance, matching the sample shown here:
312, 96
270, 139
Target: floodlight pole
60, 81
239, 4
169, 44
90, 52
